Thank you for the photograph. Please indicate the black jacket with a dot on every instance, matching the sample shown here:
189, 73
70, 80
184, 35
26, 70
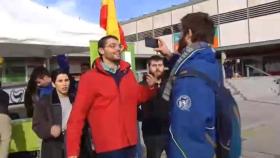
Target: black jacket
155, 115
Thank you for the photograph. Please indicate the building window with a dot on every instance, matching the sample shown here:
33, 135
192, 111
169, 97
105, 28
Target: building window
14, 74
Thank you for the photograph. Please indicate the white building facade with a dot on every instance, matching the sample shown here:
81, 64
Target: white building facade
247, 30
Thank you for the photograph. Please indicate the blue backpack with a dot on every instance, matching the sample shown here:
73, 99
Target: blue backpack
228, 125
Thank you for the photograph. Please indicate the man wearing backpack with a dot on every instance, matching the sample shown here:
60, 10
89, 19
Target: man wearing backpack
193, 102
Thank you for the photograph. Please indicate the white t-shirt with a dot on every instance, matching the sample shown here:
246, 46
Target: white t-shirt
66, 107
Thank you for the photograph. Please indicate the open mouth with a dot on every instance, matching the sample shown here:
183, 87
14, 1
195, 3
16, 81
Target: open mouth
117, 54
65, 88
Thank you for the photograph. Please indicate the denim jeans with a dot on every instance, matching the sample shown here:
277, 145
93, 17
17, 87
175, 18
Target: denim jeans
128, 152
139, 149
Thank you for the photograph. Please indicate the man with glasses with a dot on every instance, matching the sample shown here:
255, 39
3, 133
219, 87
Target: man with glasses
107, 97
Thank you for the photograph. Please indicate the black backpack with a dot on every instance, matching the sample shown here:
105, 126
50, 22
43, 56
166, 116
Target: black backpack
228, 125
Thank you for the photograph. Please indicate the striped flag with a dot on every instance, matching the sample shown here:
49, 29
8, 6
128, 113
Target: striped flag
109, 22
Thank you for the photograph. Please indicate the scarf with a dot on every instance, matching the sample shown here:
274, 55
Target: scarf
187, 53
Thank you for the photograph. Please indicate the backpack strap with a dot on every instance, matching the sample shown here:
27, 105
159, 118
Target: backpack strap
188, 72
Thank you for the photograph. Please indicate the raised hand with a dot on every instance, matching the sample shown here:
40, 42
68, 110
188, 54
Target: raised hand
151, 80
163, 49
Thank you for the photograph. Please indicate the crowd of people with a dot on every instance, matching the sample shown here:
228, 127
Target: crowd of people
97, 116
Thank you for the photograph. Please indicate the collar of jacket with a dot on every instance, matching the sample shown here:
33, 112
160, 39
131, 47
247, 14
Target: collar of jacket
109, 69
123, 66
55, 98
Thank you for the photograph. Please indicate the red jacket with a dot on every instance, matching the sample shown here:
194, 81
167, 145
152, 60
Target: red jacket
110, 109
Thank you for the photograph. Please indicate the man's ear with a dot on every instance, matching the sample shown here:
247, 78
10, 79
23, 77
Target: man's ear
190, 32
188, 37
101, 51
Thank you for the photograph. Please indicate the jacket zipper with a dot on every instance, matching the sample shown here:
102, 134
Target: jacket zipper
177, 144
119, 95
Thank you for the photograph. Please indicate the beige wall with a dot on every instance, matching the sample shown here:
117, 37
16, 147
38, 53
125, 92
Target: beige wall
179, 13
162, 20
231, 5
258, 2
145, 24
234, 33
129, 28
209, 7
265, 28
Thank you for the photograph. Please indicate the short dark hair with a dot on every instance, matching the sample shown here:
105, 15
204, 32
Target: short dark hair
39, 72
28, 100
201, 25
155, 58
103, 40
57, 72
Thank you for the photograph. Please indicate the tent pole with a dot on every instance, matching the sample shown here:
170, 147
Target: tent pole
48, 56
48, 65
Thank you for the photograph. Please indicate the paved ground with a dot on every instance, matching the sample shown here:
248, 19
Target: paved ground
261, 127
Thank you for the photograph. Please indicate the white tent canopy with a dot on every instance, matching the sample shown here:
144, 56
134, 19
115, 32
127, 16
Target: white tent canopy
29, 29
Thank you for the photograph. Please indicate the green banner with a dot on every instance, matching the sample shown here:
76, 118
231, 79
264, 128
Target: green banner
93, 51
23, 137
176, 38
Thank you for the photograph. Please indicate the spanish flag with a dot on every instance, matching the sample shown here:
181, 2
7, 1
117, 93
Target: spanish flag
108, 21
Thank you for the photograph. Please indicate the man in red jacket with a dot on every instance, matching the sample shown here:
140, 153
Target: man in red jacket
107, 97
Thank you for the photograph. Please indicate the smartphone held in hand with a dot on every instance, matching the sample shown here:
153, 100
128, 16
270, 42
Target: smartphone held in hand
151, 42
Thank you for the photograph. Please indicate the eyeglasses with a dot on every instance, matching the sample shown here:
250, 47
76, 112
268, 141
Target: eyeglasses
115, 46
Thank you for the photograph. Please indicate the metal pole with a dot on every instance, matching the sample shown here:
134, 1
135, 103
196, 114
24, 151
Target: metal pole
48, 55
278, 82
278, 87
48, 65
26, 71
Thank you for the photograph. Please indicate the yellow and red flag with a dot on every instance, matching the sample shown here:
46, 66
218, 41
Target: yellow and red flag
109, 22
